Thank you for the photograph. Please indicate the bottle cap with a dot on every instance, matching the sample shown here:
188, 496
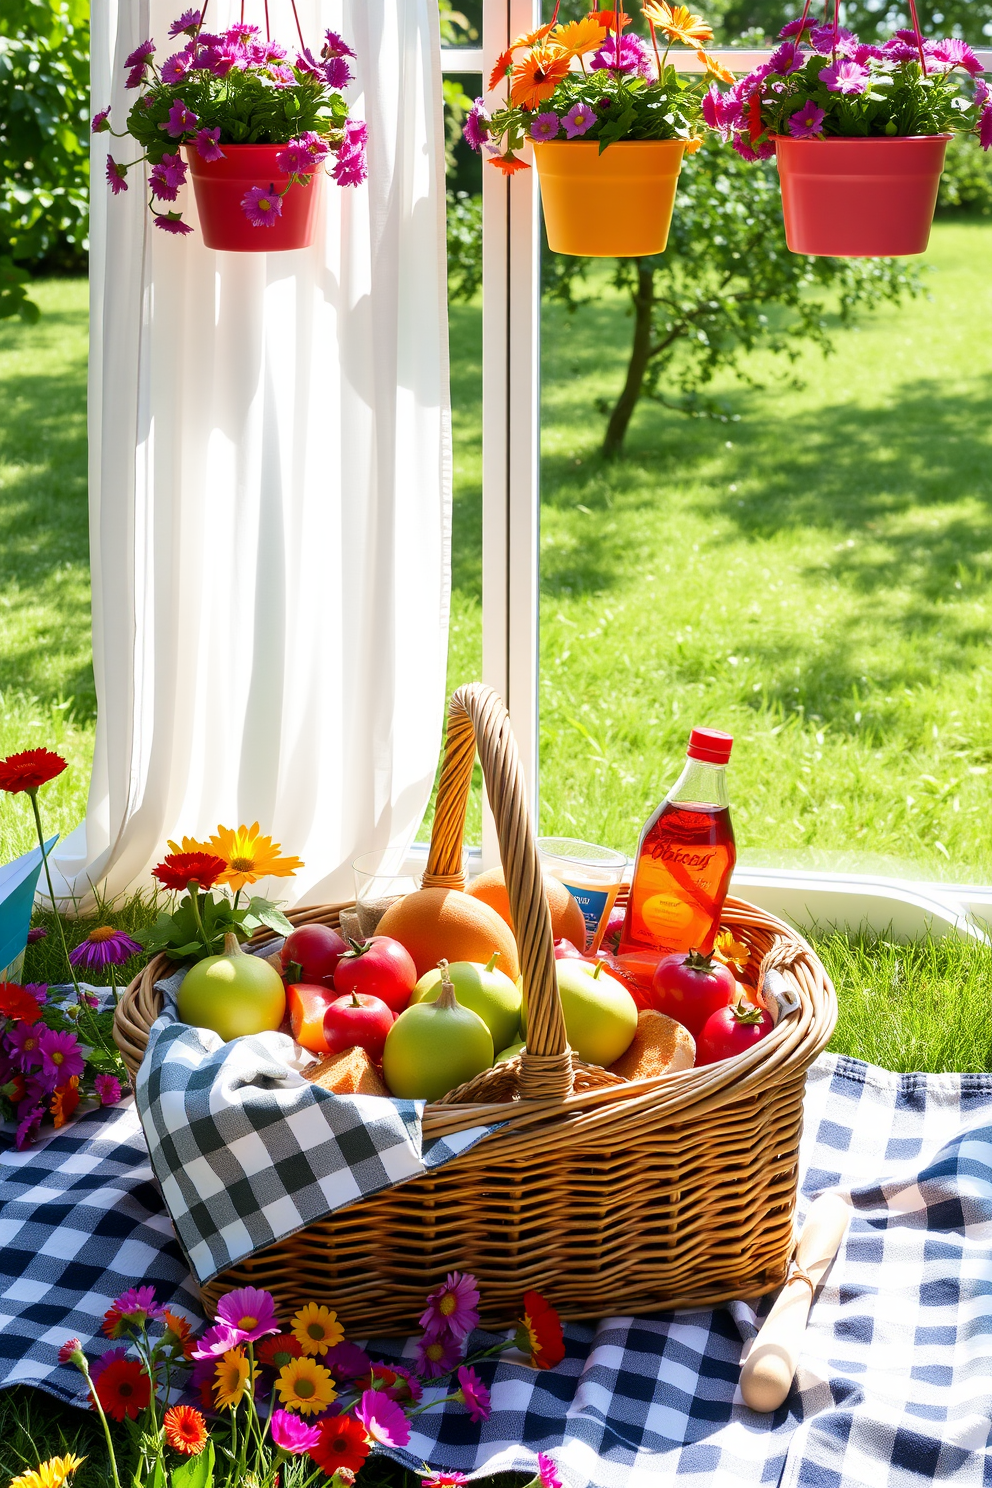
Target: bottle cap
711, 745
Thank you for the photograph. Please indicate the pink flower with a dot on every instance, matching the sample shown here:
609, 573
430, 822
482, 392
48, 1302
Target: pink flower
796, 28
956, 53
897, 50
544, 126
985, 128
407, 1387
451, 1309
115, 175
473, 1395
347, 1361
291, 1434
104, 946
25, 1045
70, 1347
207, 144
172, 222
250, 1312
296, 158
337, 73
547, 1472
864, 53
383, 1419
634, 57
28, 1128
786, 60
138, 1305
175, 68
335, 46
722, 111
474, 129
217, 1341
845, 77
437, 1356
240, 33
261, 207
188, 23
142, 53
981, 97
108, 1088
97, 126
823, 39
351, 168
446, 1478
806, 122
61, 1055
182, 120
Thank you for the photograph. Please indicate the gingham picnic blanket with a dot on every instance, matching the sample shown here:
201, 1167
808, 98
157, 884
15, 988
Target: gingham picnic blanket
895, 1384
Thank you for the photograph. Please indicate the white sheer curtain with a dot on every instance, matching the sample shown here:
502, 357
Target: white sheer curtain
270, 488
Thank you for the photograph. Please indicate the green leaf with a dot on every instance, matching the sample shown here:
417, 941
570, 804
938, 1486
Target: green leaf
196, 1472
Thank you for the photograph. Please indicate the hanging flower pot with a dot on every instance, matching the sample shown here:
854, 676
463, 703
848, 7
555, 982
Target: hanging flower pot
614, 204
247, 204
859, 198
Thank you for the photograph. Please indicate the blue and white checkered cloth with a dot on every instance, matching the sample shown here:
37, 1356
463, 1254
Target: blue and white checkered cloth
895, 1384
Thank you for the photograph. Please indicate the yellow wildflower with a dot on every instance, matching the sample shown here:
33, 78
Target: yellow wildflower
231, 1378
316, 1329
50, 1474
306, 1386
678, 22
249, 856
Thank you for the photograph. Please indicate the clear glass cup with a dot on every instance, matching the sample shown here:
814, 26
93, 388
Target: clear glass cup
380, 880
591, 874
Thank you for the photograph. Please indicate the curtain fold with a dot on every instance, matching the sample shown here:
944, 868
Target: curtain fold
270, 488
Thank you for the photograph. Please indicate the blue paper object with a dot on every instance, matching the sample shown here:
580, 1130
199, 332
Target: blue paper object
18, 882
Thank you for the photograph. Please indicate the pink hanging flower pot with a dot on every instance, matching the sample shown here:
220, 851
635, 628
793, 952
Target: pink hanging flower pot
247, 203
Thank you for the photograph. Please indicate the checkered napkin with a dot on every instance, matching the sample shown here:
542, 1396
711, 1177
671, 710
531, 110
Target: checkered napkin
247, 1151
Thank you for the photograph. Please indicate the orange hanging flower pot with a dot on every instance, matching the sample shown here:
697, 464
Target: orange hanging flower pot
617, 204
859, 198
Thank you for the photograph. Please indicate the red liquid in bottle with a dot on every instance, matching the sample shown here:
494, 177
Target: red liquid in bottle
684, 861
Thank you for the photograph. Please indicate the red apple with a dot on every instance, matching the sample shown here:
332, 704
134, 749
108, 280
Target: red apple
316, 950
380, 967
566, 951
357, 1021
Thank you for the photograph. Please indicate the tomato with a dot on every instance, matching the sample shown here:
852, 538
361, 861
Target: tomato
306, 1004
316, 950
357, 1021
614, 927
566, 951
380, 967
730, 1031
690, 988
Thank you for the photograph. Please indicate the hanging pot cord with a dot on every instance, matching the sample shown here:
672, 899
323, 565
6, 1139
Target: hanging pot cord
296, 18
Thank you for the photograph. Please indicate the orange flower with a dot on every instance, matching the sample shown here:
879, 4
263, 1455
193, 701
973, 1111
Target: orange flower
731, 951
693, 144
716, 68
178, 1332
678, 22
185, 1430
531, 38
502, 67
537, 77
579, 37
509, 164
608, 18
279, 1350
540, 1332
64, 1101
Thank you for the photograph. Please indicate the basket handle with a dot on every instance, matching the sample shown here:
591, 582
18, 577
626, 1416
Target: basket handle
477, 717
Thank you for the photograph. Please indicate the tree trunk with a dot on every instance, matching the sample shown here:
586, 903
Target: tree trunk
640, 355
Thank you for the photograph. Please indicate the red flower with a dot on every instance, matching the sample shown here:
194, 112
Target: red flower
70, 1347
343, 1443
278, 1351
179, 870
29, 770
123, 1389
540, 1334
185, 1430
18, 1004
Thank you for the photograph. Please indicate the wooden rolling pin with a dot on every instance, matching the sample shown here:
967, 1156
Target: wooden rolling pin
768, 1371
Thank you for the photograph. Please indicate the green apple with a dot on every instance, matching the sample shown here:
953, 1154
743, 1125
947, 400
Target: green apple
435, 1045
234, 994
488, 992
511, 1052
600, 1014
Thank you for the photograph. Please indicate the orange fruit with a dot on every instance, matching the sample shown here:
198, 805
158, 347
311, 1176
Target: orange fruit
566, 916
436, 923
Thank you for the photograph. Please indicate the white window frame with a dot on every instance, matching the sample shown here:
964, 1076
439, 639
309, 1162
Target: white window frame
511, 455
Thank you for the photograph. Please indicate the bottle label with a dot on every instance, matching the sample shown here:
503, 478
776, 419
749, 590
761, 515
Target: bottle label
664, 914
592, 903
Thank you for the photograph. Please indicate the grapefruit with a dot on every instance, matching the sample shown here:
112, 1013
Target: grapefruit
449, 925
567, 922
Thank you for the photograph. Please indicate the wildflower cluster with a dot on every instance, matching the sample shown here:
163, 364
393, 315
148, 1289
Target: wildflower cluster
233, 88
822, 82
232, 859
271, 1399
588, 80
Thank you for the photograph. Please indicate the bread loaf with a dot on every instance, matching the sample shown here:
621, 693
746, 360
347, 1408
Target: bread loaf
660, 1047
348, 1073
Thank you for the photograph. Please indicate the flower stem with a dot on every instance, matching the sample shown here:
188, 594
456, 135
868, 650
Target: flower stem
431, 1405
103, 1421
51, 891
194, 900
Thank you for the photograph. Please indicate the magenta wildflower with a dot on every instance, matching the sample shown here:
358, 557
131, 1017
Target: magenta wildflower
437, 1356
70, 1347
806, 122
291, 1434
98, 124
335, 46
27, 1129
547, 1473
217, 1341
956, 53
24, 1041
296, 158
383, 1419
88, 999
61, 1055
182, 120
188, 24
982, 96
138, 1305
985, 128
787, 59
39, 932
864, 53
108, 1088
207, 144
241, 33
409, 1389
38, 990
635, 58
845, 77
823, 39
115, 175
351, 167
250, 1312
796, 28
175, 68
451, 1309
722, 111
142, 53
347, 1361
172, 222
545, 126
105, 946
897, 50
337, 73
474, 129
473, 1395
444, 1478
261, 207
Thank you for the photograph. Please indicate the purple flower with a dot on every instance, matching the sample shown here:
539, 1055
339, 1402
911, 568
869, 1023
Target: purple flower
141, 54
307, 63
108, 1088
220, 60
474, 129
291, 1434
451, 1309
297, 158
250, 1311
347, 1361
981, 98
115, 175
796, 28
38, 990
188, 24
824, 39
175, 68
547, 1473
240, 33
39, 932
88, 999
165, 179
473, 1395
544, 126
864, 53
437, 1356
845, 77
786, 60
337, 73
217, 1341
383, 1419
335, 46
261, 207
207, 144
61, 1055
172, 222
97, 126
27, 1129
105, 946
104, 1361
896, 50
985, 128
407, 1387
138, 1305
634, 57
182, 120
351, 167
956, 53
722, 111
24, 1041
579, 118
806, 122
281, 74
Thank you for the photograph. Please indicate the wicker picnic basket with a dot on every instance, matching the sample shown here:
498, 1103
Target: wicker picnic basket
607, 1196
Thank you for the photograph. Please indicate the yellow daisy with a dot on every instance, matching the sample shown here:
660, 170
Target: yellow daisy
50, 1474
579, 37
678, 22
316, 1329
249, 856
716, 68
190, 845
231, 1378
306, 1386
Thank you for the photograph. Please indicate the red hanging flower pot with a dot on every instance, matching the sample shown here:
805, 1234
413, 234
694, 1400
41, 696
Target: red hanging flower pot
247, 204
859, 198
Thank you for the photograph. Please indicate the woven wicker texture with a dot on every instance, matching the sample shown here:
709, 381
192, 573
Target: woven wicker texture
608, 1196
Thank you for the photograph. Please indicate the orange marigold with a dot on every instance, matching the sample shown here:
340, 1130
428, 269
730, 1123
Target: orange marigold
537, 77
185, 1430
